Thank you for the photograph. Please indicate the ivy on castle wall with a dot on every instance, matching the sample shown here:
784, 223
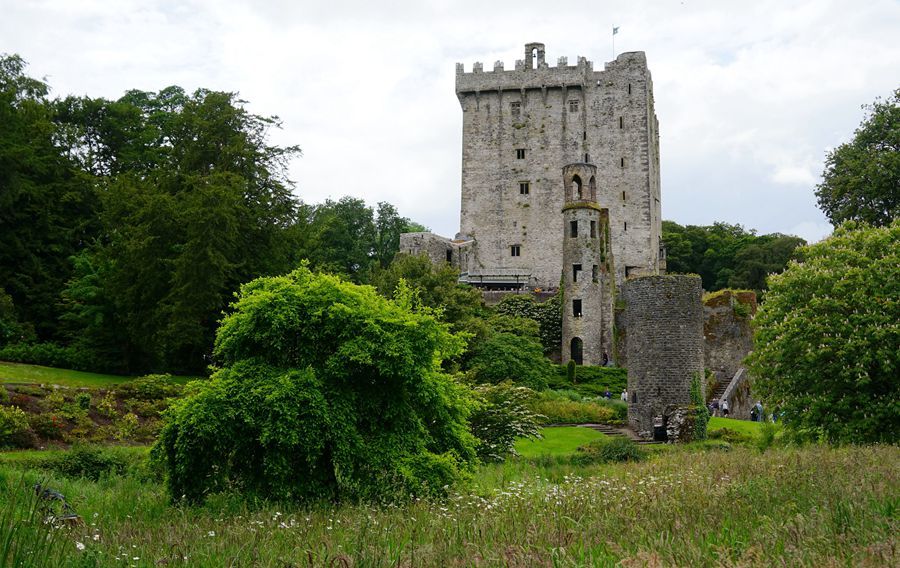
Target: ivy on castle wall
548, 316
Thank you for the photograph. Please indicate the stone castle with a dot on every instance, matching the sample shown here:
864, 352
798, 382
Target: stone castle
521, 128
561, 192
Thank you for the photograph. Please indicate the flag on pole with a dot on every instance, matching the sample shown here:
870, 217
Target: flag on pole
615, 30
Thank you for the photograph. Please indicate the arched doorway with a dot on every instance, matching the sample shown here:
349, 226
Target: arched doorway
576, 348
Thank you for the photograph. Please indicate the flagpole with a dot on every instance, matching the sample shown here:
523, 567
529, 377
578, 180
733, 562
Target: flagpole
615, 30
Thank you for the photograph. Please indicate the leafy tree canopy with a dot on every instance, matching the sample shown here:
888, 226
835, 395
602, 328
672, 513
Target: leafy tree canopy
47, 208
861, 181
826, 342
326, 389
726, 256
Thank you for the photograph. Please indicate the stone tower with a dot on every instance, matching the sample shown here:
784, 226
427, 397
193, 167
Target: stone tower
664, 318
588, 279
520, 127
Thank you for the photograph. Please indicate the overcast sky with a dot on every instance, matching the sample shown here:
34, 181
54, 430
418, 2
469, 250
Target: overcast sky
750, 95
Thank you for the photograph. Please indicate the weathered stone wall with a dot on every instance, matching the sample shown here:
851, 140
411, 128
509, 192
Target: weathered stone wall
726, 331
557, 115
664, 318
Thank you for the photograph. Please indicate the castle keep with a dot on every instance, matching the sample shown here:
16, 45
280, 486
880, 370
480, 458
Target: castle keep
560, 191
520, 128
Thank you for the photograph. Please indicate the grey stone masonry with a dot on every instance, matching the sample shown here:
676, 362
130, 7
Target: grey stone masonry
664, 318
521, 126
588, 279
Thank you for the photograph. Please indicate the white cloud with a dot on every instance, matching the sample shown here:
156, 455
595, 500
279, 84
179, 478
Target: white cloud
749, 94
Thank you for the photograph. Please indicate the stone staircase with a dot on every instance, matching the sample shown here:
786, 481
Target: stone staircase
618, 431
719, 391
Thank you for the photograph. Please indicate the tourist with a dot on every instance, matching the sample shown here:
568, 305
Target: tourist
715, 407
607, 395
754, 415
724, 408
624, 396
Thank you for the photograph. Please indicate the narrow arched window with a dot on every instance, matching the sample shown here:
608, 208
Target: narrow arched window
576, 187
592, 185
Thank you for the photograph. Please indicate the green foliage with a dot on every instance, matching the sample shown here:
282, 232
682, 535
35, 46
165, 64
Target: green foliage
726, 256
437, 285
194, 202
826, 338
731, 436
107, 405
767, 432
125, 427
558, 408
502, 416
548, 316
861, 181
504, 356
698, 400
89, 462
570, 372
47, 207
150, 388
326, 378
591, 380
50, 355
13, 424
83, 400
48, 426
613, 449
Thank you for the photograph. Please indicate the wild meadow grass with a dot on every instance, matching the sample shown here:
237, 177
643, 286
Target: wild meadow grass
811, 506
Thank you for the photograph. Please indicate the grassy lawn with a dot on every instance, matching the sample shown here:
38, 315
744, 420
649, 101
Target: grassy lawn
558, 440
21, 373
742, 426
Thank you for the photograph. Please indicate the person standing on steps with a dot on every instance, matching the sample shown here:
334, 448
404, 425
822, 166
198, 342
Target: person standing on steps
724, 408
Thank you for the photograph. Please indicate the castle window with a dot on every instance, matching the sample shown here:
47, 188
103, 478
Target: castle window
584, 135
573, 105
621, 162
523, 188
520, 153
629, 88
576, 187
626, 225
515, 108
576, 268
623, 196
515, 250
593, 229
573, 229
576, 347
621, 122
594, 272
576, 308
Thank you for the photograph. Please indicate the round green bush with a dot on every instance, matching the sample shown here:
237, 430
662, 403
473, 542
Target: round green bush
326, 390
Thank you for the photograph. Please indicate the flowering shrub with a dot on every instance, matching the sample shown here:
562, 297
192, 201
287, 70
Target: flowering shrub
13, 424
502, 416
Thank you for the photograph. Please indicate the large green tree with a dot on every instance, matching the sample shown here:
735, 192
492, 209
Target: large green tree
861, 181
726, 256
826, 343
47, 207
194, 202
325, 390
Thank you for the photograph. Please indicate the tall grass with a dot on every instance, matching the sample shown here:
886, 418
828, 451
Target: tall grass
27, 537
809, 506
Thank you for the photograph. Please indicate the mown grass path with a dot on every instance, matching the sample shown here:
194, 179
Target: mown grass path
37, 374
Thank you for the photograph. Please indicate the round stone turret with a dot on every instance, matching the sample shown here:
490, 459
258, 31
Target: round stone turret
588, 280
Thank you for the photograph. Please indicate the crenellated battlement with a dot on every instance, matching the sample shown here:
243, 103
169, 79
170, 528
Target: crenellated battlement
534, 72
